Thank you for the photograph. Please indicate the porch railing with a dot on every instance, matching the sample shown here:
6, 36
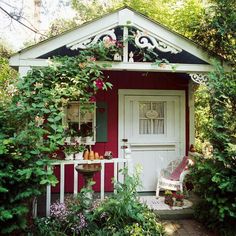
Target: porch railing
117, 163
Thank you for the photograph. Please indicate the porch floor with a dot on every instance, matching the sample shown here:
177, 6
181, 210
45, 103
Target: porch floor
164, 211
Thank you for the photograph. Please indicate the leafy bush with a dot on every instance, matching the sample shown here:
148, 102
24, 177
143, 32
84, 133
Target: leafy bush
120, 214
215, 177
32, 131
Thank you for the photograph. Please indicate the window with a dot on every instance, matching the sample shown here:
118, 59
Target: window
80, 120
152, 117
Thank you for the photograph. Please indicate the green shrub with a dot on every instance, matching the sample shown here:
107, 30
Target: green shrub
119, 214
215, 177
32, 131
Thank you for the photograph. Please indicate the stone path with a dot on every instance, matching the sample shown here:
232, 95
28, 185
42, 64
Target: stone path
186, 228
178, 221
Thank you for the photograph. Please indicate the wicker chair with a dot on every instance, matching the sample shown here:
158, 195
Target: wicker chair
173, 176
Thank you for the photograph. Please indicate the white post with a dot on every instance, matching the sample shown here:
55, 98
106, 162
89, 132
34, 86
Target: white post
102, 179
35, 206
125, 44
191, 89
48, 199
115, 173
75, 182
62, 182
129, 161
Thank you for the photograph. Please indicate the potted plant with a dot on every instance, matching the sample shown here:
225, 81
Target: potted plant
79, 151
89, 137
168, 198
179, 199
69, 151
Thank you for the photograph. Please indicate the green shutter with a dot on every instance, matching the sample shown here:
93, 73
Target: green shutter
101, 122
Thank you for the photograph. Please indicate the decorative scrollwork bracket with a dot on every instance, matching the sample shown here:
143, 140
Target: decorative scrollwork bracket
199, 78
89, 42
143, 40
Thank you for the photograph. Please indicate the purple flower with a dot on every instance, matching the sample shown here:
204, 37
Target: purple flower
80, 224
59, 211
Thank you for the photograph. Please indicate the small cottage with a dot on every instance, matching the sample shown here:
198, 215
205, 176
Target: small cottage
150, 109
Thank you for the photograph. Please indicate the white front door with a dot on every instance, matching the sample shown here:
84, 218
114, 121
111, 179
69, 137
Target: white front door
153, 121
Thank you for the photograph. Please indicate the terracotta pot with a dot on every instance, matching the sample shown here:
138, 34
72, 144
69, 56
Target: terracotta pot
86, 155
91, 155
169, 200
179, 203
96, 155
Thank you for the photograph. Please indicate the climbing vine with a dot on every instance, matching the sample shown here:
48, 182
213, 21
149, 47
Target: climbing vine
32, 131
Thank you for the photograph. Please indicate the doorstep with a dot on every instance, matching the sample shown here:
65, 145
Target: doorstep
166, 212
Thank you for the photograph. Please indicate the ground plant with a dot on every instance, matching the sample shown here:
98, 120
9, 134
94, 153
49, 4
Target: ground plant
118, 214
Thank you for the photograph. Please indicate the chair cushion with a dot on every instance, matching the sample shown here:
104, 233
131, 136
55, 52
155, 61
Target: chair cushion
183, 165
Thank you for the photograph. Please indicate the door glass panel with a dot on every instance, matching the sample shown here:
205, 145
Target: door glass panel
152, 117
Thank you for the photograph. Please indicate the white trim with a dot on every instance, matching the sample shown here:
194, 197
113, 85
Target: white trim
23, 70
173, 38
191, 112
28, 62
121, 17
126, 92
86, 30
125, 16
129, 66
150, 92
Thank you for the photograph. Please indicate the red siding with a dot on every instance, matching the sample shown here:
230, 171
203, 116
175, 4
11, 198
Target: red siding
130, 80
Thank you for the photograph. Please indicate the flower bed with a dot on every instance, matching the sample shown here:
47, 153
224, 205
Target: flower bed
120, 214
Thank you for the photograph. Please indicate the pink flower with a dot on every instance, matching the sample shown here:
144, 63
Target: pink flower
108, 42
99, 83
39, 120
92, 99
92, 59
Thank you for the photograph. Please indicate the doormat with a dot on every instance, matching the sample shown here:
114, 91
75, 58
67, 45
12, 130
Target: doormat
158, 203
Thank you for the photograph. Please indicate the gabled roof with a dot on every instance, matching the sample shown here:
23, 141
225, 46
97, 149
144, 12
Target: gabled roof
186, 55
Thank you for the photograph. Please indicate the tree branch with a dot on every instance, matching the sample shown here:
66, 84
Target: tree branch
17, 19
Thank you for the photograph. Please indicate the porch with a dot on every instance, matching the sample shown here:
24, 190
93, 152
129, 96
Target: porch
42, 205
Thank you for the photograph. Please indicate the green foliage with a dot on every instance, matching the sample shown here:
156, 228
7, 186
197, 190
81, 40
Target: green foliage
88, 10
181, 16
215, 177
7, 76
119, 214
32, 130
216, 30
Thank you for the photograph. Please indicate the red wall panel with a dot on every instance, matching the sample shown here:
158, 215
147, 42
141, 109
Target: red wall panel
128, 80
